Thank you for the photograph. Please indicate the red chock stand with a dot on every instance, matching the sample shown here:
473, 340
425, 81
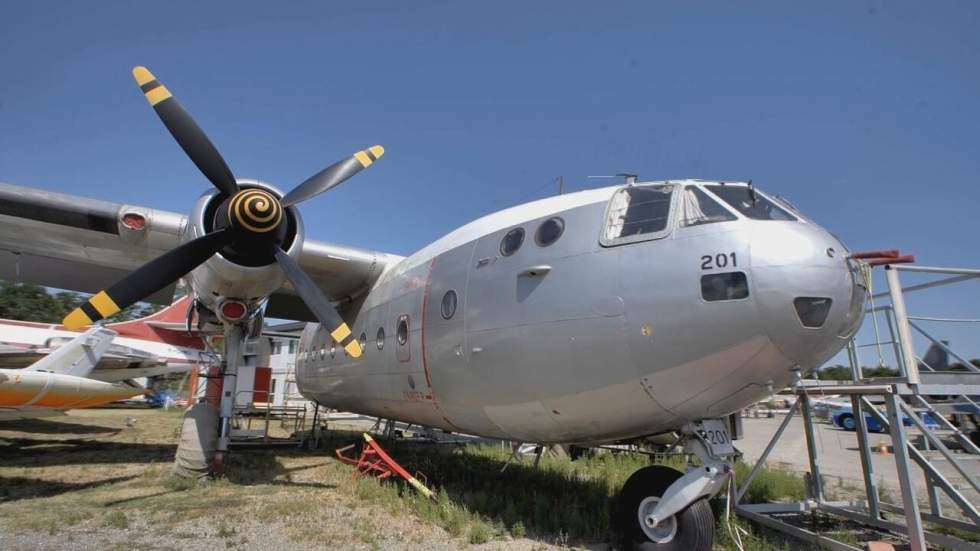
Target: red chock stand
376, 462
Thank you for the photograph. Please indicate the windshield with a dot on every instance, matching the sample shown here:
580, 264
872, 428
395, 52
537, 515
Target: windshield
749, 203
698, 208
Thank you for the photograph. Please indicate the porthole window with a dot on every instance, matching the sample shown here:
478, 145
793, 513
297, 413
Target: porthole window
362, 340
512, 241
333, 348
401, 332
549, 231
323, 351
381, 338
449, 304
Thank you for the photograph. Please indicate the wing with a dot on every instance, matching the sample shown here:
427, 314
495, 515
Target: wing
81, 244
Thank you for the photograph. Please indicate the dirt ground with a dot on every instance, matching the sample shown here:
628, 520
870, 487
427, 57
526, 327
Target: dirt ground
100, 479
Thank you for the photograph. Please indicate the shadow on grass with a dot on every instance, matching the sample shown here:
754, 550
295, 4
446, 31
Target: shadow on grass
16, 488
44, 426
257, 466
554, 501
28, 452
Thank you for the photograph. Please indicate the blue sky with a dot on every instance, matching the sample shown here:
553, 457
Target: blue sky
864, 114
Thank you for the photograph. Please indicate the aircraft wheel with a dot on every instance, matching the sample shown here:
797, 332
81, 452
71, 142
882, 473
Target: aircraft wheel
689, 530
847, 421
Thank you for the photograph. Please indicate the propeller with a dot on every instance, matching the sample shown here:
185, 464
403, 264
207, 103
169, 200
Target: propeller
249, 219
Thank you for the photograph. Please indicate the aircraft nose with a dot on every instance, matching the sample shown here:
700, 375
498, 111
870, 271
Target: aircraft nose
808, 291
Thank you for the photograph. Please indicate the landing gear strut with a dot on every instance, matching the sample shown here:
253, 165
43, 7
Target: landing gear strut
660, 508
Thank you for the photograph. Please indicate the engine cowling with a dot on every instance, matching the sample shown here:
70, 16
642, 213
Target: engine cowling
247, 276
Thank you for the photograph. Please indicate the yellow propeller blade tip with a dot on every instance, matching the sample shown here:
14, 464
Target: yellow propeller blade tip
354, 349
377, 151
76, 319
142, 75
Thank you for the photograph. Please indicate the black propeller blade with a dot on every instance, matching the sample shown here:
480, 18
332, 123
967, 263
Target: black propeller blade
148, 279
187, 133
318, 303
253, 221
333, 175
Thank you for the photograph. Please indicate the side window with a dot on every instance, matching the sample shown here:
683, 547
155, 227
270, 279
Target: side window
512, 241
362, 340
549, 231
637, 213
726, 286
403, 352
449, 304
401, 333
381, 338
697, 208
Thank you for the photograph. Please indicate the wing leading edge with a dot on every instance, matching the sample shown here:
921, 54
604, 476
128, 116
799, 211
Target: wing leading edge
82, 244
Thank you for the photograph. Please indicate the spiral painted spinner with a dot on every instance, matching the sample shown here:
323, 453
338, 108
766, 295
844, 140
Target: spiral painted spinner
255, 210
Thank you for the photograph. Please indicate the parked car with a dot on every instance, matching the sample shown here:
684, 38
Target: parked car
843, 417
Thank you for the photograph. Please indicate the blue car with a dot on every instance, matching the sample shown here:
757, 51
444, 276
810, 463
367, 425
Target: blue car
843, 417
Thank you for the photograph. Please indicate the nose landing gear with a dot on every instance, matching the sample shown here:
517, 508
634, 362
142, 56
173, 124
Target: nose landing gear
660, 508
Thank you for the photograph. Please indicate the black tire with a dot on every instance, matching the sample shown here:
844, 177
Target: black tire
844, 418
695, 525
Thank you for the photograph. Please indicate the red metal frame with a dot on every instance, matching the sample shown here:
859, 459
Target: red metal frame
376, 462
880, 258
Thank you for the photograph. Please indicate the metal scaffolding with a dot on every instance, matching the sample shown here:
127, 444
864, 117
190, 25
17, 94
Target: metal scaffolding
915, 395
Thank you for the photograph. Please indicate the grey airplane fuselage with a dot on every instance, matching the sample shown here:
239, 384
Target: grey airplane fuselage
603, 334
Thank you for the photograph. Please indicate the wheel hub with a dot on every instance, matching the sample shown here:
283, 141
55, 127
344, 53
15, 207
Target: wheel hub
662, 532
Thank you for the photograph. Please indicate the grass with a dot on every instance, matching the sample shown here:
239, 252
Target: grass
117, 478
560, 502
770, 484
117, 520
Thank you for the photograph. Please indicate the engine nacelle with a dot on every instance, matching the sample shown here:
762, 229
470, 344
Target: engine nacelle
245, 276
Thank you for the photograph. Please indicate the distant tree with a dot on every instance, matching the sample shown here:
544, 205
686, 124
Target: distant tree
960, 367
844, 373
30, 302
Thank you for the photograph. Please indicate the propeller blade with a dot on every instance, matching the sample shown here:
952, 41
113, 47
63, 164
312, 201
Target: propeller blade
147, 279
187, 133
318, 303
333, 175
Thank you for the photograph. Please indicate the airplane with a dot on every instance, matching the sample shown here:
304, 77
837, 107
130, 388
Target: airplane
59, 381
158, 344
606, 314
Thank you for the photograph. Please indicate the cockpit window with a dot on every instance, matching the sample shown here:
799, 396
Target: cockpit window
637, 213
748, 202
698, 208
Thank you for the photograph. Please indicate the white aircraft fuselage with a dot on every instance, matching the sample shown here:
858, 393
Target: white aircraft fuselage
656, 305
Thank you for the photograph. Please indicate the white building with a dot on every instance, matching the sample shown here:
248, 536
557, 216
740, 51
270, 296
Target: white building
284, 343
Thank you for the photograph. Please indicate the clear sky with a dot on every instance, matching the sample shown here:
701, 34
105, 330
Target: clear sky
864, 114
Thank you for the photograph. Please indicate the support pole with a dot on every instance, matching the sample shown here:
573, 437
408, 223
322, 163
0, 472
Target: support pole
911, 367
811, 448
234, 339
913, 521
861, 425
765, 454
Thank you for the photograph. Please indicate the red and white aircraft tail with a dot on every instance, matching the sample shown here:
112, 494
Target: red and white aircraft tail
152, 345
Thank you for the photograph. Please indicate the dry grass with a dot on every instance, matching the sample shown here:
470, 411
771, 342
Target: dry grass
91, 478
